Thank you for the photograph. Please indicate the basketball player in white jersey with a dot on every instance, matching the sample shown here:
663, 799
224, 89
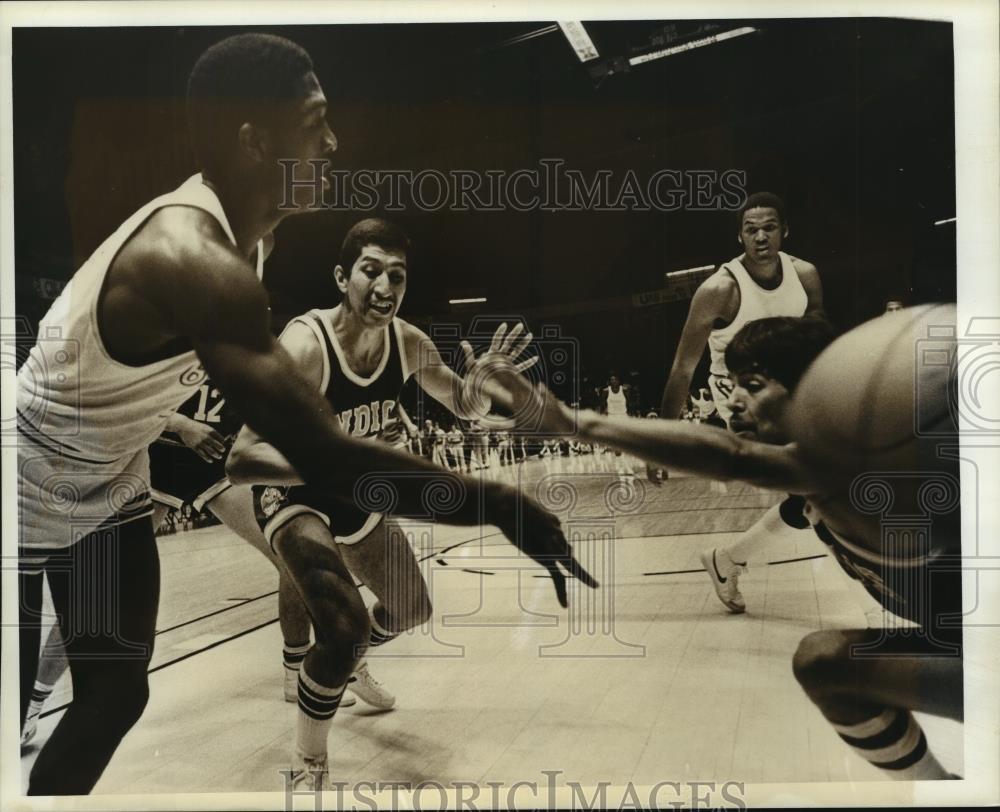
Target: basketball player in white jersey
477, 456
438, 447
505, 448
615, 397
119, 350
763, 281
357, 355
866, 694
456, 448
615, 403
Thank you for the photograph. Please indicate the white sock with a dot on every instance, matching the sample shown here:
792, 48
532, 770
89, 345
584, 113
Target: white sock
749, 544
894, 742
317, 706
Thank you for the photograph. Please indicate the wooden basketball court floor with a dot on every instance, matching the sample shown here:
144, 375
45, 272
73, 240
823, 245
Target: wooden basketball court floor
647, 679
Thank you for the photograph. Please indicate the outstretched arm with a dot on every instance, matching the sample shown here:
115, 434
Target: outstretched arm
702, 450
673, 444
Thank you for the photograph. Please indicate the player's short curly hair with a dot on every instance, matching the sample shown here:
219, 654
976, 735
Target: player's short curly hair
780, 347
762, 200
243, 78
372, 231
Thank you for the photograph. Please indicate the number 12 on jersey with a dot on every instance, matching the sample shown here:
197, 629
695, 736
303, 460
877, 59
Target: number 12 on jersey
202, 414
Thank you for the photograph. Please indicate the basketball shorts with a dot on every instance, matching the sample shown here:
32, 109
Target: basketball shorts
926, 590
722, 389
178, 476
63, 496
275, 505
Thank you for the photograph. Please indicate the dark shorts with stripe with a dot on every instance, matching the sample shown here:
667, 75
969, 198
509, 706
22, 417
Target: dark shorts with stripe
178, 475
929, 595
276, 505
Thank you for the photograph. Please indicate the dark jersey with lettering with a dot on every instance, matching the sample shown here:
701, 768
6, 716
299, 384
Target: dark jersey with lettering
177, 474
365, 405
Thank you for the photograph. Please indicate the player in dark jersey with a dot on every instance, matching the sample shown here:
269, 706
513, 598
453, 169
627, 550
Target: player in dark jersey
188, 461
868, 696
358, 356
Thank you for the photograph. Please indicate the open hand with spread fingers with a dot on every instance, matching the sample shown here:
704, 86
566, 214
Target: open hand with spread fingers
480, 387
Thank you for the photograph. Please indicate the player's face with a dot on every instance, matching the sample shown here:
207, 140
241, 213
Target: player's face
761, 234
305, 136
375, 286
759, 404
613, 382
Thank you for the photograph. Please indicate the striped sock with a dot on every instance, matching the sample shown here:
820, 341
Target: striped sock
317, 706
39, 694
380, 635
893, 741
293, 654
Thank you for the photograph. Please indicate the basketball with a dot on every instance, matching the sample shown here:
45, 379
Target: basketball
877, 399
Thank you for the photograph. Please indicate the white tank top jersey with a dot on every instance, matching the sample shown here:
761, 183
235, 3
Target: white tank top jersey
85, 420
788, 299
617, 405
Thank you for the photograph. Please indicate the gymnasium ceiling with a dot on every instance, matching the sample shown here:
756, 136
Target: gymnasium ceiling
850, 120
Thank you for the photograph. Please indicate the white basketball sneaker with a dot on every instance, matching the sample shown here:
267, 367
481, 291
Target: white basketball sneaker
362, 683
292, 689
309, 774
725, 578
30, 725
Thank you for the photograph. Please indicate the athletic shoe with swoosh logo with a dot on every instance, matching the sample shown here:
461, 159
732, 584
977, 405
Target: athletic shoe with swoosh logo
725, 578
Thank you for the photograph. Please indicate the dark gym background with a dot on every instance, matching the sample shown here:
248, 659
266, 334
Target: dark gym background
851, 121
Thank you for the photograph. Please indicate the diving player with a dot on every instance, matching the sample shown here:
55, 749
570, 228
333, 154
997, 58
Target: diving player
866, 682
